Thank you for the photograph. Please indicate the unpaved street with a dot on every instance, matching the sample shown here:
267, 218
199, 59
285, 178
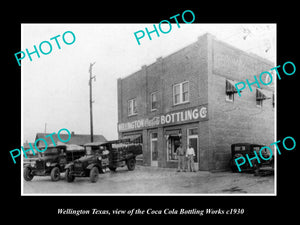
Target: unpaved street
151, 180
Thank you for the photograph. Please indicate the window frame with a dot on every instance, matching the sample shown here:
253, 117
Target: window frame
228, 99
130, 105
151, 101
259, 103
181, 93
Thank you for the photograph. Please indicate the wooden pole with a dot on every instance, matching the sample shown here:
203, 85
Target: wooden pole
91, 101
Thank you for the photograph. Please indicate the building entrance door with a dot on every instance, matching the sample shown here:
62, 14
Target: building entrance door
192, 139
154, 149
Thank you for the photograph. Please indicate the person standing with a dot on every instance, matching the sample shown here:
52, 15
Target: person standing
190, 153
181, 158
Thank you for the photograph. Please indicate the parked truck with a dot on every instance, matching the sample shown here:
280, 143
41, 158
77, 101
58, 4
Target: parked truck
52, 161
102, 155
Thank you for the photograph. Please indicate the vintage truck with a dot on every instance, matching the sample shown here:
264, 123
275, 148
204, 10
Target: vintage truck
102, 155
241, 149
52, 161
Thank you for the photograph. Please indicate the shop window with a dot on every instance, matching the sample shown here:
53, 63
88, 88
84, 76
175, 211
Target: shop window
154, 101
181, 93
132, 109
173, 142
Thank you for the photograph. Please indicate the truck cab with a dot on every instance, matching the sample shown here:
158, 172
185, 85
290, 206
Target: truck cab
241, 149
52, 161
95, 161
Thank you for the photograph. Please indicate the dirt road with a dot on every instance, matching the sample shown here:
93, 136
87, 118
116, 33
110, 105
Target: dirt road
151, 180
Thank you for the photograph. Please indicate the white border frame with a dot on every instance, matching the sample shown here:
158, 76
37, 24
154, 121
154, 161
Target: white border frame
159, 194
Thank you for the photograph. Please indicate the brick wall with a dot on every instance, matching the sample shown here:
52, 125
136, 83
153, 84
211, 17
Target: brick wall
240, 120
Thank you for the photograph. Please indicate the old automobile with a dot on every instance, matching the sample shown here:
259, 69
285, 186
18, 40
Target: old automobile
241, 149
52, 161
103, 155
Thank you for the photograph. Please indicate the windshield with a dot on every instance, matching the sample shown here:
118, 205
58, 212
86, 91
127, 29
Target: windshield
92, 150
239, 148
256, 148
53, 150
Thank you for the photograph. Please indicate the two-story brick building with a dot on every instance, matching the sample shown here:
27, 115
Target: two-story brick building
189, 97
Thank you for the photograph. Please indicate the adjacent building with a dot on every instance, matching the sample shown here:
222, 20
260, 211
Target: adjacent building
189, 97
77, 139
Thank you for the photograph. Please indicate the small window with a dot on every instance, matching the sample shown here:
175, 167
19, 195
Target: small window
262, 95
193, 131
154, 136
154, 101
181, 93
259, 103
229, 97
230, 90
132, 109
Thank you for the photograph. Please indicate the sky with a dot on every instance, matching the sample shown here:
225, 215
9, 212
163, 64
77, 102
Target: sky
55, 87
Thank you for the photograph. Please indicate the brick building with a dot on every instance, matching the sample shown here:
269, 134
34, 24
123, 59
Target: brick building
189, 97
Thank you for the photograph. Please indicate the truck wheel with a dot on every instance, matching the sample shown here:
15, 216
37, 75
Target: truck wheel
94, 174
131, 164
55, 174
69, 177
27, 174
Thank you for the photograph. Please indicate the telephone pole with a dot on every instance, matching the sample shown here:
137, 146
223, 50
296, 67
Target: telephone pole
91, 101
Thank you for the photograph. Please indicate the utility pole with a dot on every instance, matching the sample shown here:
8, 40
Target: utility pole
91, 101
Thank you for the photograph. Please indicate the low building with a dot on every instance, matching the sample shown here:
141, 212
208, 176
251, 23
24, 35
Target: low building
189, 97
77, 139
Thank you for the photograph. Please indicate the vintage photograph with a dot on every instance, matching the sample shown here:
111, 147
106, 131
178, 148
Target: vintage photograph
148, 109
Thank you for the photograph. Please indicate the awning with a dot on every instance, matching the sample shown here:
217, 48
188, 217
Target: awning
133, 138
263, 94
230, 88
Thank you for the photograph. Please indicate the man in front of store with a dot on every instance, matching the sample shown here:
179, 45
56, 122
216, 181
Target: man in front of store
181, 158
190, 153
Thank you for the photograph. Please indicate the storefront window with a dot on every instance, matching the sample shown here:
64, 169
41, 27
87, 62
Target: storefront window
173, 143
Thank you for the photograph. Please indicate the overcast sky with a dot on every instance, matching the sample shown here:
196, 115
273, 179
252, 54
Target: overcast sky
55, 87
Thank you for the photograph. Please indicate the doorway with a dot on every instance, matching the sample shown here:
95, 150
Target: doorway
154, 149
173, 143
192, 139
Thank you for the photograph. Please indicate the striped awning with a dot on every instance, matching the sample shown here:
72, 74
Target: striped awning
263, 94
230, 88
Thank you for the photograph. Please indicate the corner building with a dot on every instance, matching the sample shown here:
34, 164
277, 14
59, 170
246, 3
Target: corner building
189, 97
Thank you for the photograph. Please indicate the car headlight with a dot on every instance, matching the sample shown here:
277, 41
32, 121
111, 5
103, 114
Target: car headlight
48, 164
32, 164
